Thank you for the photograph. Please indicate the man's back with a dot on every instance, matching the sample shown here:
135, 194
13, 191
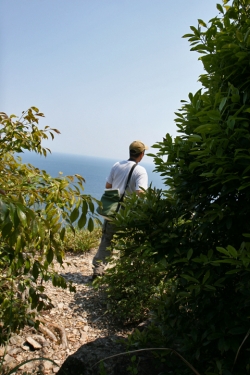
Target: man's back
119, 174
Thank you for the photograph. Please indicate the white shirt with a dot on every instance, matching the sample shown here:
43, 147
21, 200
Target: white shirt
119, 174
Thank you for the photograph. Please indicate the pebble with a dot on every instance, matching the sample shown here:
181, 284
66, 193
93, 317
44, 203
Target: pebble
33, 343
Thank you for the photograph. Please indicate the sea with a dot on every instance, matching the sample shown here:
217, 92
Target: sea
94, 170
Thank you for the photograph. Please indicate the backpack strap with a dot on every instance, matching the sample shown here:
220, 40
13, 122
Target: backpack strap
129, 177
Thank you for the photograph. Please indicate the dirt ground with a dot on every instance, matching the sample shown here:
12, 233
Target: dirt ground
76, 332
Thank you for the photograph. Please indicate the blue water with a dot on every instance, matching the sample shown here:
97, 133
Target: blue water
93, 169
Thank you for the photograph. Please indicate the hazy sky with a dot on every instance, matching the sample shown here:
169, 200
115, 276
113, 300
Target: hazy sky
104, 72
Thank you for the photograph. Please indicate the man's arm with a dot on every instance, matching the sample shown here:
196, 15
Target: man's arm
141, 181
139, 192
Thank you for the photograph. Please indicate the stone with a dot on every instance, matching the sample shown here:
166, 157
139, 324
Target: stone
4, 350
83, 337
25, 347
40, 339
29, 365
48, 365
19, 358
8, 358
35, 345
14, 351
15, 340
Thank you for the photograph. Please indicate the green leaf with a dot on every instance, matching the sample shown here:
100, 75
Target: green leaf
90, 224
222, 103
62, 233
18, 243
196, 31
74, 215
232, 272
7, 230
50, 255
207, 128
35, 109
91, 207
84, 207
35, 270
214, 115
239, 35
235, 98
189, 254
222, 250
219, 171
190, 278
187, 35
206, 277
232, 251
227, 261
194, 165
195, 138
202, 23
22, 216
27, 265
82, 221
208, 174
219, 7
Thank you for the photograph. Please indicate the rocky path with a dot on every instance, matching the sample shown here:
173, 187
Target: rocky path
74, 320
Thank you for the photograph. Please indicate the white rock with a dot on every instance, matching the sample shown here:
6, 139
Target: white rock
8, 358
33, 343
4, 349
47, 365
19, 358
25, 347
14, 351
83, 337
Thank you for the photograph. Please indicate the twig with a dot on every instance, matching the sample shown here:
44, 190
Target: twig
47, 332
149, 349
238, 351
61, 331
99, 317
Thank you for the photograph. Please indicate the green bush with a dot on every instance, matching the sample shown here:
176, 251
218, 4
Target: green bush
82, 240
206, 314
35, 210
135, 277
199, 229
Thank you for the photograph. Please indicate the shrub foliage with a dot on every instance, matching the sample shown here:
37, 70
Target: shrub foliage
35, 210
200, 229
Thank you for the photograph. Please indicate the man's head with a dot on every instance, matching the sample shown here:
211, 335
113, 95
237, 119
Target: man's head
136, 149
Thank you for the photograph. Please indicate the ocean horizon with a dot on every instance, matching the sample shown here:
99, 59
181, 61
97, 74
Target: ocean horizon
93, 169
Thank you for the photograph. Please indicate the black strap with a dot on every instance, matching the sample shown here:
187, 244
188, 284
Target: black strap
129, 177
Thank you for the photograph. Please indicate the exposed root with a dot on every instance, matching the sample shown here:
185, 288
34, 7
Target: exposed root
58, 329
47, 332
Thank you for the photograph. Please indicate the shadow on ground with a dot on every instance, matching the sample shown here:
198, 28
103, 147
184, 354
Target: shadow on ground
92, 359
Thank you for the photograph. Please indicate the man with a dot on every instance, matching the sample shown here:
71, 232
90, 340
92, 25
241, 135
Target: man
117, 180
